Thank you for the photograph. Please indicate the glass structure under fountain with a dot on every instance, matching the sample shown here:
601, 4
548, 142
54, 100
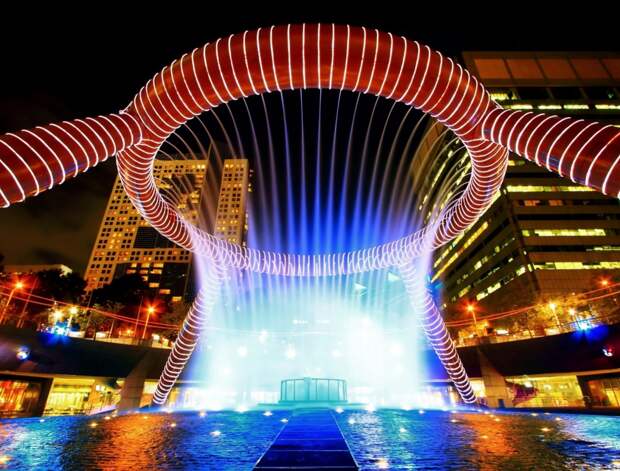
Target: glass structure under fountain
309, 391
299, 57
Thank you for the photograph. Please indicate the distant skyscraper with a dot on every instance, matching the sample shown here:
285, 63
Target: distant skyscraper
231, 216
544, 236
127, 244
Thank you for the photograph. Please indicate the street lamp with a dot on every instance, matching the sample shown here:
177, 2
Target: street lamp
16, 287
73, 310
471, 308
20, 321
553, 307
149, 310
57, 315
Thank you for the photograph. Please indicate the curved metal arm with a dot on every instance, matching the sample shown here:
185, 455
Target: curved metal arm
587, 152
190, 332
34, 160
436, 331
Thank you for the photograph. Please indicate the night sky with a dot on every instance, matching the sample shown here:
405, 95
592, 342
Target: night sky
57, 67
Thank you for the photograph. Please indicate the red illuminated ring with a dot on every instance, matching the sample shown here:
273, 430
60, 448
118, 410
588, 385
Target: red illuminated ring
34, 160
311, 56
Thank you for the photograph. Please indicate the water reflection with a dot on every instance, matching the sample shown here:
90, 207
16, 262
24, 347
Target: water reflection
475, 440
383, 439
222, 441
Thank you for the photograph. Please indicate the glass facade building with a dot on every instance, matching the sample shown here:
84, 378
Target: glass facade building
543, 236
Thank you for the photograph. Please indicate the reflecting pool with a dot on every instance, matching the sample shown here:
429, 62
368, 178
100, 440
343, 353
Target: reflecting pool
384, 439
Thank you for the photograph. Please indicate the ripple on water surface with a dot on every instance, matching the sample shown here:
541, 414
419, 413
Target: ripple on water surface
385, 439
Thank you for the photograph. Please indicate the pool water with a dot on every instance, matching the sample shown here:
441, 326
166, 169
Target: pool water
385, 439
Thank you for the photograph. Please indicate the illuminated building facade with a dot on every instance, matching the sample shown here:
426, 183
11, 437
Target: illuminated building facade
231, 217
127, 244
544, 236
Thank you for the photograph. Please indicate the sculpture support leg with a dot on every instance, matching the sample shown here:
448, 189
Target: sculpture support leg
190, 332
436, 330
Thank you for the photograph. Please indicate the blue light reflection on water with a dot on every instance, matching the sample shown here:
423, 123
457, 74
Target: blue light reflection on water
397, 438
473, 440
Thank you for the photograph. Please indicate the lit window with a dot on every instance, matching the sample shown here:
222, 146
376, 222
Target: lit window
564, 232
540, 188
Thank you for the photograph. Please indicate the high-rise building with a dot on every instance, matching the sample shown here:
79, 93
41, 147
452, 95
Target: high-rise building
543, 236
231, 216
127, 244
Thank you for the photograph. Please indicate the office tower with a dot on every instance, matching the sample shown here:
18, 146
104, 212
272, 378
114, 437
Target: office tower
126, 244
543, 236
231, 216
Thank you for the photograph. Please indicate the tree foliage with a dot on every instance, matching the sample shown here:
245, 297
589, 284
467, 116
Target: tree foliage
57, 285
126, 290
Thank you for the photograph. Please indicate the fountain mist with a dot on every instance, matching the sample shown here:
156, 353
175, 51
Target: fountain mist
333, 171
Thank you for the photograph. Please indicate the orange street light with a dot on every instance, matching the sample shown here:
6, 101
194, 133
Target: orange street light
16, 287
471, 308
149, 311
605, 283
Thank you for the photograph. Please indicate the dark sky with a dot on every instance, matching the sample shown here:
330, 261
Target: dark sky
58, 66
